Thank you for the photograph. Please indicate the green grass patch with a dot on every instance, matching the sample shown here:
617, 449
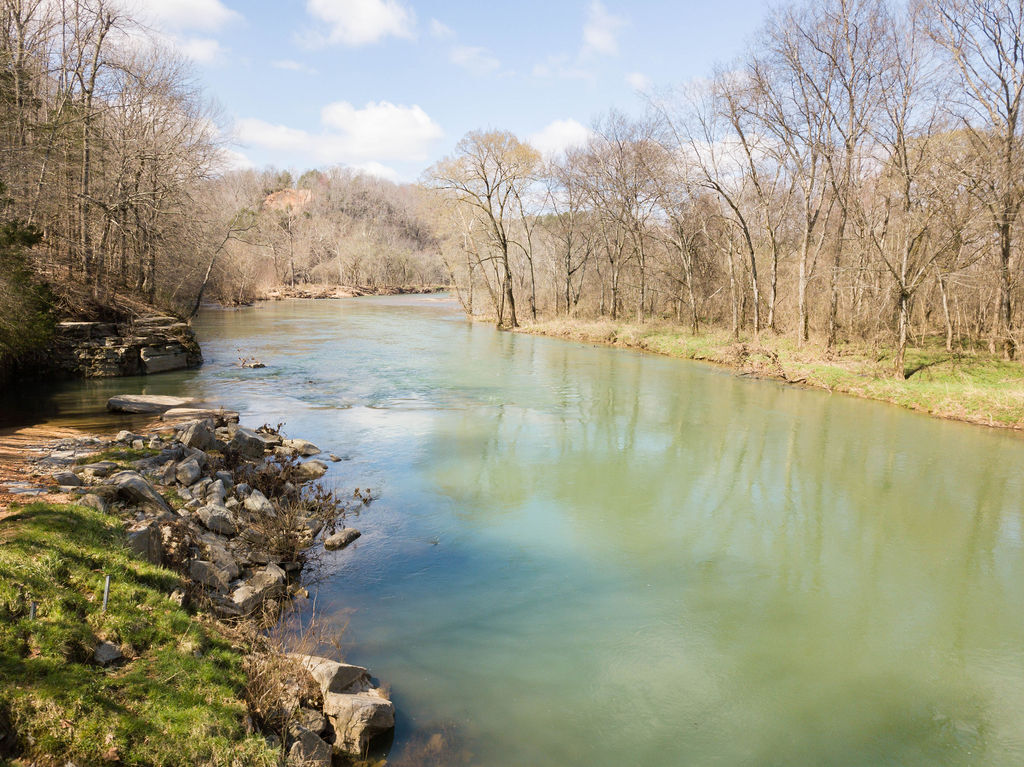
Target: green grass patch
175, 699
122, 456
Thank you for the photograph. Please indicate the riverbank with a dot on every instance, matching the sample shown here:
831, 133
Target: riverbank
975, 387
204, 529
326, 291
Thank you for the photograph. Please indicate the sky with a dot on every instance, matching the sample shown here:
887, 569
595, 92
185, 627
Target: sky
390, 86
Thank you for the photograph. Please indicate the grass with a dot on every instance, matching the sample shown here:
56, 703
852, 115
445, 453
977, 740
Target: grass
175, 699
122, 456
972, 386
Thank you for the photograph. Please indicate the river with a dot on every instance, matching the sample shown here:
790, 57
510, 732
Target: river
596, 557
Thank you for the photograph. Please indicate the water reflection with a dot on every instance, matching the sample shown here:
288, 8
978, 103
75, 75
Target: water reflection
585, 556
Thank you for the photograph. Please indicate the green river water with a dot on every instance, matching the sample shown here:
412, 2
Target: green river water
589, 556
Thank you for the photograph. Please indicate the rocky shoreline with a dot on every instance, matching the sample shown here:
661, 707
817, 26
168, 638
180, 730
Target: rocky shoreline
237, 513
146, 345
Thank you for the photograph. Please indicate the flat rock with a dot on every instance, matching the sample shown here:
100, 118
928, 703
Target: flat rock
341, 539
106, 653
358, 718
67, 479
144, 403
219, 416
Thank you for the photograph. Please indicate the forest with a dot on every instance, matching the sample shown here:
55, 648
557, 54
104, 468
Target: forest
855, 175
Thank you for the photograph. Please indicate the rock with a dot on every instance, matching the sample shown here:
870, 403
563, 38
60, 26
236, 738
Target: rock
341, 539
219, 416
357, 718
144, 403
218, 519
242, 490
188, 471
266, 583
124, 436
307, 719
308, 750
333, 458
247, 443
310, 470
301, 446
199, 435
97, 470
94, 501
216, 492
225, 477
67, 479
106, 653
160, 359
333, 676
313, 524
132, 488
222, 560
144, 539
208, 574
257, 503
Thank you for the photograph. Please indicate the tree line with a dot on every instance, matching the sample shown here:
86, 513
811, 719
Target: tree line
857, 175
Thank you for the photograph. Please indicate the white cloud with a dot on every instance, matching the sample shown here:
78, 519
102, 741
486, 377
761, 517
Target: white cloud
562, 67
206, 15
204, 50
291, 65
379, 170
235, 160
440, 30
479, 61
600, 33
558, 136
364, 137
360, 22
638, 81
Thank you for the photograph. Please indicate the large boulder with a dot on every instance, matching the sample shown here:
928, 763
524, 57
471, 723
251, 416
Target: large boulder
144, 403
247, 443
132, 488
266, 583
357, 718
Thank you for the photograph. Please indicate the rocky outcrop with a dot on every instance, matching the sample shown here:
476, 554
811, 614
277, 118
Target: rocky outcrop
142, 347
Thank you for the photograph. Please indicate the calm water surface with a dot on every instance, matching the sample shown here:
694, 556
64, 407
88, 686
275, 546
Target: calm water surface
586, 556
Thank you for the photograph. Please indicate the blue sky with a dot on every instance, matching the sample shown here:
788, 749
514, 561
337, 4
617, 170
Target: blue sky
391, 85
